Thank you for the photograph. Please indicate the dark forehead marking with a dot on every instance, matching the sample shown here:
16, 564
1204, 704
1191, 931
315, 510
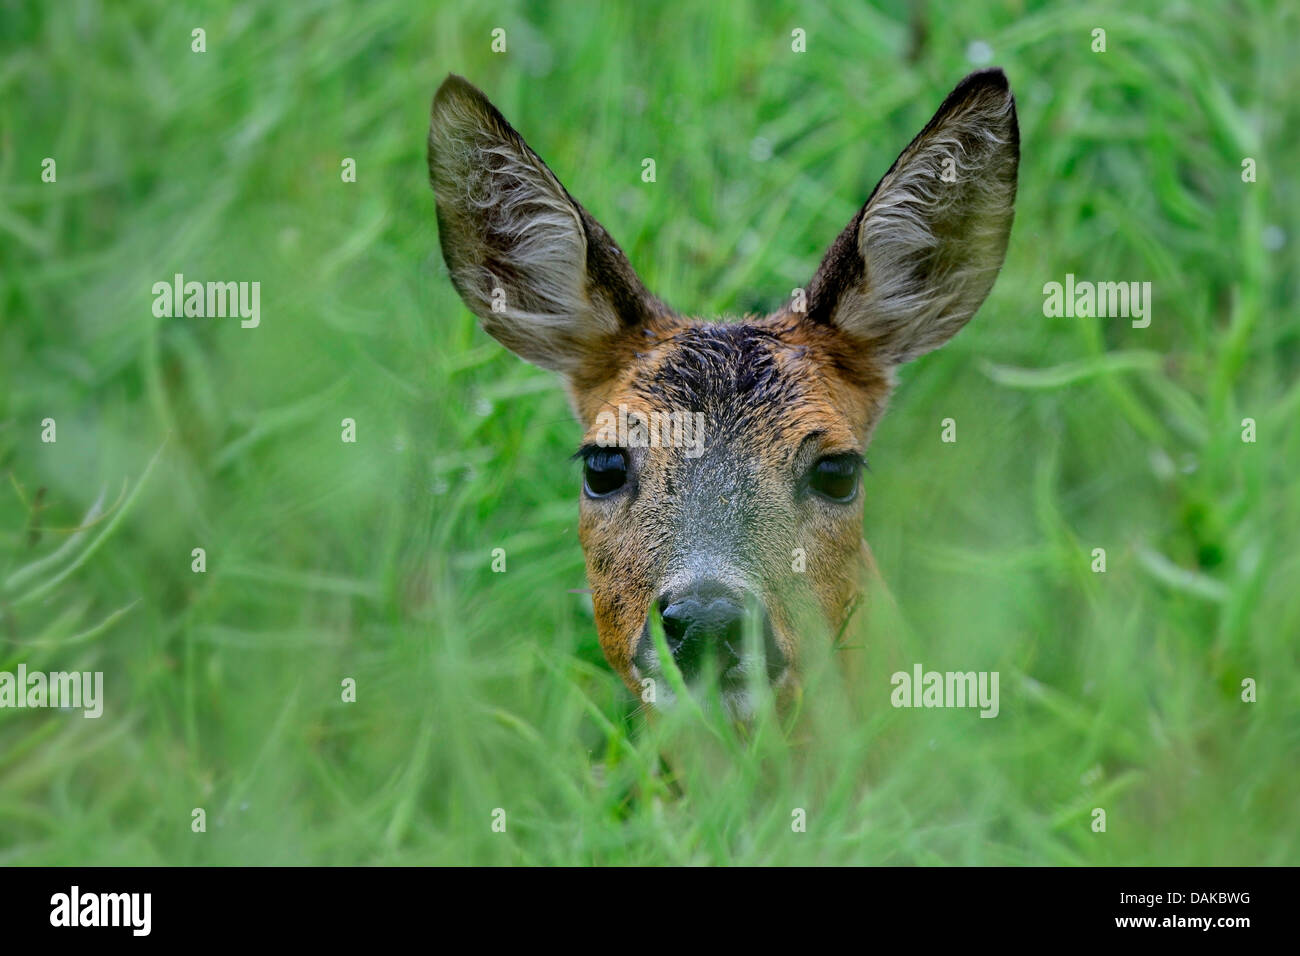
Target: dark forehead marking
732, 373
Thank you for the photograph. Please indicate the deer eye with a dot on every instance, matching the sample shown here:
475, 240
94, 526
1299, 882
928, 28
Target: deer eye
604, 471
836, 477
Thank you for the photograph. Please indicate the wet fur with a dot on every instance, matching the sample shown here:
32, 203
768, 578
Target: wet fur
906, 273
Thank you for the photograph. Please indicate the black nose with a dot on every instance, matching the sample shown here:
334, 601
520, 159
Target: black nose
708, 618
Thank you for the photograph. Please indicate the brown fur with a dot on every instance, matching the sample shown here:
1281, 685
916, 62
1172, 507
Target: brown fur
777, 393
838, 395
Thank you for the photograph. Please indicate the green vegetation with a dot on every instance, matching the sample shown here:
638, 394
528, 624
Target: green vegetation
371, 560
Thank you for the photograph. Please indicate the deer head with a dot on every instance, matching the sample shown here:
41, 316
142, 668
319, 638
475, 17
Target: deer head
722, 460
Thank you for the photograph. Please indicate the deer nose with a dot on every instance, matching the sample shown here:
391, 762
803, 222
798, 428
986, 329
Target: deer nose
708, 618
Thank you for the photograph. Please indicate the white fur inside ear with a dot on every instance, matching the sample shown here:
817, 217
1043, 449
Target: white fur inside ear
933, 236
514, 242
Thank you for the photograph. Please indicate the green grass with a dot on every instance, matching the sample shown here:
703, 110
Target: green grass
372, 560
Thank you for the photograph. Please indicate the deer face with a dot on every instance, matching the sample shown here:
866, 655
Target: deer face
722, 461
749, 513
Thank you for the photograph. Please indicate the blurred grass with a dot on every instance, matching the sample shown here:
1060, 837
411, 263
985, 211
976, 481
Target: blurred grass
372, 561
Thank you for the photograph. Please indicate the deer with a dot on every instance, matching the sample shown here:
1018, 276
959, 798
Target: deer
697, 538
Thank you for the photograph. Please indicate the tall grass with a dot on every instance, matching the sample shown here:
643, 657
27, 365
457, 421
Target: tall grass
371, 561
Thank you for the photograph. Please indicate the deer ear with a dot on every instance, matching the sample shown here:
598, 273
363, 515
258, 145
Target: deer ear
544, 277
918, 259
